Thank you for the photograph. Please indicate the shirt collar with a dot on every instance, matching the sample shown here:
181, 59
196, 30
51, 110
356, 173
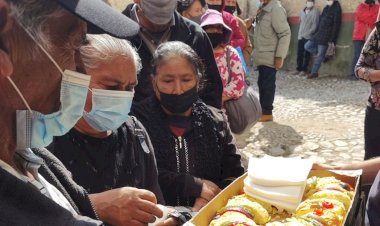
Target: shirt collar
29, 161
269, 6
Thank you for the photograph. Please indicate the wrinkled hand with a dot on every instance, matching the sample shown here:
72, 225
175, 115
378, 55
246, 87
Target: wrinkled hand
277, 63
198, 204
126, 206
209, 190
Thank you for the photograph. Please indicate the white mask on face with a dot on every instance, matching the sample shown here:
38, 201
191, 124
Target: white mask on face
329, 2
36, 130
259, 4
309, 4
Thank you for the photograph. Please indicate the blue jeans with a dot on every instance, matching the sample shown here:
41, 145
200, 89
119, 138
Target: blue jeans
303, 56
358, 45
267, 88
318, 50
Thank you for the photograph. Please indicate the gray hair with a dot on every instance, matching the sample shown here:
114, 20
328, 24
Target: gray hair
104, 48
33, 15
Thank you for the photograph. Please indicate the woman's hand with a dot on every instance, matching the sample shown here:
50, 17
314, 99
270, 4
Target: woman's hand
198, 204
209, 190
226, 98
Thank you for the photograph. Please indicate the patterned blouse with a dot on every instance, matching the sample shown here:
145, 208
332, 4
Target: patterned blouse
370, 58
235, 87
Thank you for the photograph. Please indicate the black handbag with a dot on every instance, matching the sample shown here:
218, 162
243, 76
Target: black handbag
244, 112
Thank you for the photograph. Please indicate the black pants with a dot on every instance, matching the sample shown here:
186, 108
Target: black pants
303, 56
371, 133
267, 88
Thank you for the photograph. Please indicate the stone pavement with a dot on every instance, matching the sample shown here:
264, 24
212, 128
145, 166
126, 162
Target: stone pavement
321, 119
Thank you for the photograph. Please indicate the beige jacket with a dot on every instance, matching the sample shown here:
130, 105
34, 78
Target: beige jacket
271, 37
248, 46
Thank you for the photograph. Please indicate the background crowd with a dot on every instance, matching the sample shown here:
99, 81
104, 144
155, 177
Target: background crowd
103, 119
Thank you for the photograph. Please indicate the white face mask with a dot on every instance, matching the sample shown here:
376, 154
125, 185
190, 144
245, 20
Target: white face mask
309, 4
36, 130
329, 2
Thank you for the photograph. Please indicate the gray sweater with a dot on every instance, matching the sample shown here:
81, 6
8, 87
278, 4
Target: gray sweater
308, 23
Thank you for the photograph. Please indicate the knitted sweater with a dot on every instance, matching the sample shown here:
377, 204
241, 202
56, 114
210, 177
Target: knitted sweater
206, 151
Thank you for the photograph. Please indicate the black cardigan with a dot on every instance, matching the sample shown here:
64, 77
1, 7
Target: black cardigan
210, 147
127, 158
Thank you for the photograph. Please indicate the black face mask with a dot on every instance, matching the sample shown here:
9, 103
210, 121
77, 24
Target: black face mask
196, 19
230, 9
215, 39
179, 103
215, 7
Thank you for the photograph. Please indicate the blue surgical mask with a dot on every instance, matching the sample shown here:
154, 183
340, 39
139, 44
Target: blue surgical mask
36, 130
259, 4
110, 109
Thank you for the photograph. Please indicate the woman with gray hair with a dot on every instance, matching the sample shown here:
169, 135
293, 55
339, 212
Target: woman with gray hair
107, 149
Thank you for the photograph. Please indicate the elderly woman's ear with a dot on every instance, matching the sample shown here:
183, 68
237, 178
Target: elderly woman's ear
6, 67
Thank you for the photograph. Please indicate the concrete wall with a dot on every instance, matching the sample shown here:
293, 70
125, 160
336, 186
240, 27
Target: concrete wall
341, 64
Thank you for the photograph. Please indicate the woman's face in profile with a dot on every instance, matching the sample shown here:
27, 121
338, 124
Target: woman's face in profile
175, 75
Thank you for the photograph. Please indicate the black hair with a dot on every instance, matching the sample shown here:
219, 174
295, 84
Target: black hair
183, 5
238, 10
178, 49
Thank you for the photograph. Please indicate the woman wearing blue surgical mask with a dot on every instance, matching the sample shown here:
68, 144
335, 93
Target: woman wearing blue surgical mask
107, 149
195, 150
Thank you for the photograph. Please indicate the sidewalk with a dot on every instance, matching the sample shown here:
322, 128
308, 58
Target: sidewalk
321, 119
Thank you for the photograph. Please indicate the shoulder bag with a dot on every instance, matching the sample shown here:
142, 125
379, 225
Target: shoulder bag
243, 112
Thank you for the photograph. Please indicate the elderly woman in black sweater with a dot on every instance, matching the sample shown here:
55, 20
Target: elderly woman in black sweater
195, 150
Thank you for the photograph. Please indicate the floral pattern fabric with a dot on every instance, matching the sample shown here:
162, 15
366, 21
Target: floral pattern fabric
235, 87
370, 58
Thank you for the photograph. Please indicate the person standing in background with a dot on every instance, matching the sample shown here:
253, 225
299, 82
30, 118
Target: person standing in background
232, 7
271, 40
160, 22
365, 17
328, 30
247, 8
237, 39
226, 57
309, 19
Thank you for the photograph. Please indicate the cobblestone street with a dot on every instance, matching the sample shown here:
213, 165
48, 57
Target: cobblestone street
321, 119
